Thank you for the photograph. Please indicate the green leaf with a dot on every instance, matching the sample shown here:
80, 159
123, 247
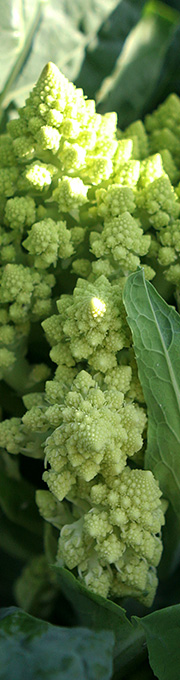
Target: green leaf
169, 77
171, 546
128, 91
156, 335
162, 629
18, 23
11, 35
101, 53
33, 649
98, 613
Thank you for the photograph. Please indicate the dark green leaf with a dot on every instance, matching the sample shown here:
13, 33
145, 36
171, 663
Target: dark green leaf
98, 613
156, 334
129, 89
101, 54
162, 629
171, 545
169, 77
33, 649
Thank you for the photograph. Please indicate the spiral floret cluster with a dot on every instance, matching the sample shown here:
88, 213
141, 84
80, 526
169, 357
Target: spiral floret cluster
82, 204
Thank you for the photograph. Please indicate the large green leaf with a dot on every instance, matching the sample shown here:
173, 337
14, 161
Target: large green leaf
162, 629
18, 23
98, 613
156, 334
169, 77
101, 53
33, 649
128, 91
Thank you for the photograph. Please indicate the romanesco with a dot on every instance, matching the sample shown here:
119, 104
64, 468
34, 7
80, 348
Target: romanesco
82, 204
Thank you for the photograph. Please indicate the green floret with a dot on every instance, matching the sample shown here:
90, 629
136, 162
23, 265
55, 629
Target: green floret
7, 157
169, 166
16, 128
151, 169
70, 194
20, 212
48, 138
11, 437
16, 284
37, 176
93, 322
128, 174
8, 246
26, 291
163, 127
137, 579
159, 203
121, 239
167, 114
48, 240
97, 431
137, 133
23, 148
118, 535
8, 181
52, 510
72, 156
123, 153
169, 249
57, 388
115, 200
173, 274
21, 436
118, 378
7, 359
49, 92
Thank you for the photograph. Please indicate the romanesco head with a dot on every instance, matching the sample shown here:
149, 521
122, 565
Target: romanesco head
121, 240
159, 201
20, 212
93, 322
97, 431
48, 240
119, 535
26, 291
